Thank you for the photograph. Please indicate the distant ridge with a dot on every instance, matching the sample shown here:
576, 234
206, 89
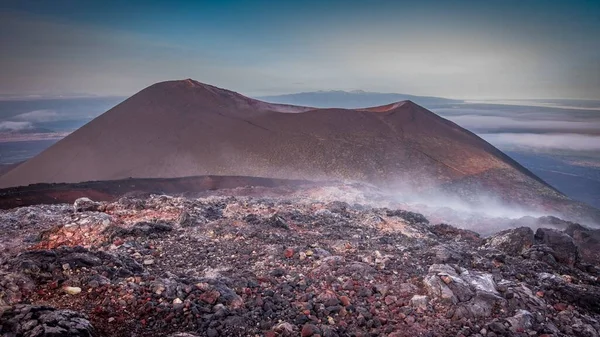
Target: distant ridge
354, 99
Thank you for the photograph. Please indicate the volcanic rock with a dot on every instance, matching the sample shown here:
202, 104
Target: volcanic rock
521, 321
309, 330
72, 290
564, 249
587, 241
27, 320
86, 205
419, 302
368, 273
512, 241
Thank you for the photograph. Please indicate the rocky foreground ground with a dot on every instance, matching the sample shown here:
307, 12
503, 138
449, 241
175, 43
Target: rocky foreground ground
318, 262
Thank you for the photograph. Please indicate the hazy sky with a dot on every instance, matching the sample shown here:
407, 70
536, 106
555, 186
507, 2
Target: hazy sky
457, 49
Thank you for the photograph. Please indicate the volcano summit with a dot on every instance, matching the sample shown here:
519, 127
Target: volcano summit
186, 128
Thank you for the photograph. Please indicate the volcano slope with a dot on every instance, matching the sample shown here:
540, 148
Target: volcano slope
317, 261
186, 128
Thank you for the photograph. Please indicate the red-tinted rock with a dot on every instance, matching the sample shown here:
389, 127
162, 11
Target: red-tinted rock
288, 253
209, 297
560, 306
390, 300
309, 330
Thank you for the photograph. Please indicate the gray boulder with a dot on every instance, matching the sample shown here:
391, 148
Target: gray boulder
43, 321
565, 250
86, 205
512, 241
588, 242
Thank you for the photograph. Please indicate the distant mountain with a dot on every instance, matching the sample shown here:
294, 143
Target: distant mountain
354, 99
186, 128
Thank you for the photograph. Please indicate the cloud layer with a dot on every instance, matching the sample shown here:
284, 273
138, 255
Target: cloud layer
500, 123
15, 126
535, 127
528, 141
40, 116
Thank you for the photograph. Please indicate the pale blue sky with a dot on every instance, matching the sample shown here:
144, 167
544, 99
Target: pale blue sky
458, 49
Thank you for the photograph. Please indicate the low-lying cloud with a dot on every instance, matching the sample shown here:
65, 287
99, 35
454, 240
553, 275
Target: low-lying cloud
499, 123
15, 126
568, 141
527, 128
591, 105
39, 116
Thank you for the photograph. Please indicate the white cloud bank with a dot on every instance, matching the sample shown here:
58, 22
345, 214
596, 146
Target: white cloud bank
563, 141
15, 126
481, 122
39, 116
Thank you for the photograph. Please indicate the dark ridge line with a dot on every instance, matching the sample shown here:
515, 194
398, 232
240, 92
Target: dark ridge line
108, 190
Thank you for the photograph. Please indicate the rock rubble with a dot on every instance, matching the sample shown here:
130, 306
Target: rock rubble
300, 264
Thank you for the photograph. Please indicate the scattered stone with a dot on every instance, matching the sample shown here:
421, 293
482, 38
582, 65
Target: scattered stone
309, 330
389, 300
587, 241
27, 320
72, 290
564, 249
288, 253
277, 221
210, 296
86, 205
419, 302
146, 228
186, 220
284, 328
408, 216
512, 241
521, 321
560, 306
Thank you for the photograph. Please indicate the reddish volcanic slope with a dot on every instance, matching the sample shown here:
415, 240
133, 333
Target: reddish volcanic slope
186, 128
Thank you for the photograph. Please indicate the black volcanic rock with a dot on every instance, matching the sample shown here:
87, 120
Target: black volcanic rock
44, 321
565, 250
512, 241
588, 241
85, 204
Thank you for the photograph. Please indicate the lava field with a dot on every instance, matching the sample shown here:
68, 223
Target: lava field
320, 261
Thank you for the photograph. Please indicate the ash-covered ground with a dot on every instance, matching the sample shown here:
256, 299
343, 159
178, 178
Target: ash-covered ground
320, 261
